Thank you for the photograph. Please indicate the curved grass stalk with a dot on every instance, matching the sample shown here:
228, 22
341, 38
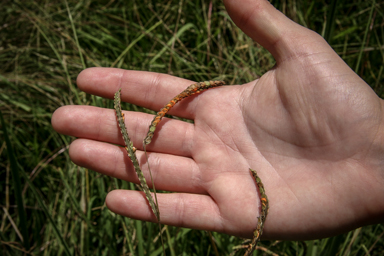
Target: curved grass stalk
192, 89
132, 155
263, 215
260, 220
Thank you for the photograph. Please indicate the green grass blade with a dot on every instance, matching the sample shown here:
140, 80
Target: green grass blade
78, 208
332, 245
183, 29
36, 21
75, 35
170, 244
139, 230
331, 16
126, 234
16, 185
181, 234
133, 43
48, 215
365, 36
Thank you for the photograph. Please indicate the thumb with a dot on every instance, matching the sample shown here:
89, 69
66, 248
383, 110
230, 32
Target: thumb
282, 37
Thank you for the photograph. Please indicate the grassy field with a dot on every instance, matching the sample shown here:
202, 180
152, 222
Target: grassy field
58, 207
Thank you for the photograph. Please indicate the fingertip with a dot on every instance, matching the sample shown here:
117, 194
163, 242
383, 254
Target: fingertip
130, 204
99, 80
67, 119
260, 20
110, 199
118, 202
79, 152
257, 19
83, 77
58, 118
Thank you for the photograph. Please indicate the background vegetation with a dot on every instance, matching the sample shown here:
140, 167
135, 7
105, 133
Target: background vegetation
51, 206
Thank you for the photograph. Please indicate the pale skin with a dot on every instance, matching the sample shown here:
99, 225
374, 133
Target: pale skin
310, 127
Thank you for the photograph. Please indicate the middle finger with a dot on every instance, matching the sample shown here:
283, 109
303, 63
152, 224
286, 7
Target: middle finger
171, 136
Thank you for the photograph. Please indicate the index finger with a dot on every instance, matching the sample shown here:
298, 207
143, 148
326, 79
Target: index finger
146, 89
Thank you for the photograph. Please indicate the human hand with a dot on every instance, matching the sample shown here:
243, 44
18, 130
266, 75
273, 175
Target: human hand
310, 127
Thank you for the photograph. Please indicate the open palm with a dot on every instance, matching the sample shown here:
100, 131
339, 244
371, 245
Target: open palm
310, 127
